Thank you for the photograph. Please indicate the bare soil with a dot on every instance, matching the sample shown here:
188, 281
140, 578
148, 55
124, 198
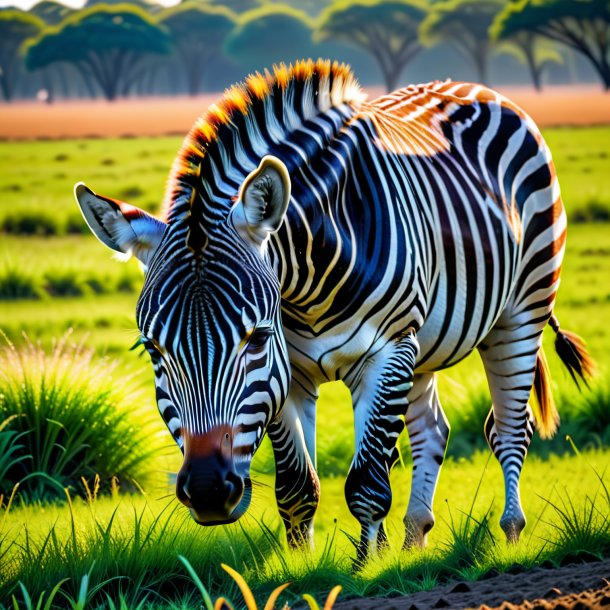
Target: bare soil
574, 587
566, 105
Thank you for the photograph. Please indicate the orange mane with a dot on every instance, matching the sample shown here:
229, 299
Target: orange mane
337, 85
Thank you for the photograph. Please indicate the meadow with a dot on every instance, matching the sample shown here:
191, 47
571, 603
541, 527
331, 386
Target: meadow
56, 278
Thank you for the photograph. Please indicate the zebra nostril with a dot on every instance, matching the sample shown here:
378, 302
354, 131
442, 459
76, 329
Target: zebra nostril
234, 488
185, 487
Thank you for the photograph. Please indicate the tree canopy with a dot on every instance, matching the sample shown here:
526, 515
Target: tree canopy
465, 25
535, 53
51, 12
104, 42
198, 32
583, 25
386, 29
269, 35
15, 28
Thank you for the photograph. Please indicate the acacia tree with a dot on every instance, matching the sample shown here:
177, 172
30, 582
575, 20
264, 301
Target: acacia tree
386, 29
464, 24
105, 42
198, 33
269, 35
530, 50
583, 25
15, 28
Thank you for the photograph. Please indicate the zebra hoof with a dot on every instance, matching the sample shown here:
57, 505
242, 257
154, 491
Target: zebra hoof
512, 528
416, 531
300, 538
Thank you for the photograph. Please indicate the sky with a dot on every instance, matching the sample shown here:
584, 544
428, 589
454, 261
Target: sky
27, 4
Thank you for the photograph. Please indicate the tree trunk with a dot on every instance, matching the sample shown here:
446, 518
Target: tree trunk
480, 64
6, 92
535, 71
390, 77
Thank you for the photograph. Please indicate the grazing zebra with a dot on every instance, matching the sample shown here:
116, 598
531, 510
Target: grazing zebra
309, 235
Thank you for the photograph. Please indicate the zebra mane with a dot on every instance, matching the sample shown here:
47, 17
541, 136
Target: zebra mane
316, 86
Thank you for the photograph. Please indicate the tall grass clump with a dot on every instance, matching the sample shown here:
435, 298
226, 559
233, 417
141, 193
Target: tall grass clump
69, 423
16, 284
29, 223
591, 417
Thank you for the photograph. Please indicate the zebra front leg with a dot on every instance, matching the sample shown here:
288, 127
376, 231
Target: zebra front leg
380, 398
428, 433
510, 364
297, 487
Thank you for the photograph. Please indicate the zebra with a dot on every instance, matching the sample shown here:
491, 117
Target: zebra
310, 235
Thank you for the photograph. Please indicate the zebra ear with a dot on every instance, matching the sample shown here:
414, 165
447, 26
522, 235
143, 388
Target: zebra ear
120, 226
264, 195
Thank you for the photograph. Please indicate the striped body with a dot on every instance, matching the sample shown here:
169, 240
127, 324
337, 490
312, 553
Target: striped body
375, 243
433, 242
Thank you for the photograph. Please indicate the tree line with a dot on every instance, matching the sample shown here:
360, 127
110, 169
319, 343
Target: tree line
120, 49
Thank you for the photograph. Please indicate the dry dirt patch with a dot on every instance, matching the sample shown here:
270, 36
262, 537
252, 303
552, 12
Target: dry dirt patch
578, 105
573, 587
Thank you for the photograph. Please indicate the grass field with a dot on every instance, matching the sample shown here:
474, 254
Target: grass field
55, 277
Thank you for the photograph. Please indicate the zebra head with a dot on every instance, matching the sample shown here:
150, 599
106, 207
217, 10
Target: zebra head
209, 316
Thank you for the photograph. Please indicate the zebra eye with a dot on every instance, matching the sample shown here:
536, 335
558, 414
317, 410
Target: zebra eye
153, 350
259, 339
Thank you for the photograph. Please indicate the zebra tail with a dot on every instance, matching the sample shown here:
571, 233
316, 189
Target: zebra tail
572, 351
546, 415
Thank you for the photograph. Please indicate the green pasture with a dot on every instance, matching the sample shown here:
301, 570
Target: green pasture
55, 277
129, 545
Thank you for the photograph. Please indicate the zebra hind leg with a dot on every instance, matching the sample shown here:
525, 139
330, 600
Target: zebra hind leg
380, 398
297, 487
428, 433
510, 359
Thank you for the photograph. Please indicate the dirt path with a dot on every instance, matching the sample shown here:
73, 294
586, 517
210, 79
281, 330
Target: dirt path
578, 105
573, 587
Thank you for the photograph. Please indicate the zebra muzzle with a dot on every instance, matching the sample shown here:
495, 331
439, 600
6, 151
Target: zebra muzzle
208, 483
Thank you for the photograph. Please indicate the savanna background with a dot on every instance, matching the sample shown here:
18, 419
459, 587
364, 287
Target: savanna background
105, 93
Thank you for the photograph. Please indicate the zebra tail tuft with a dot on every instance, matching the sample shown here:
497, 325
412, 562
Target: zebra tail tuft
547, 416
573, 353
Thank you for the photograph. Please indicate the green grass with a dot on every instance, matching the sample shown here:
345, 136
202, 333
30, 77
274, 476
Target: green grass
582, 159
130, 545
73, 428
135, 170
48, 171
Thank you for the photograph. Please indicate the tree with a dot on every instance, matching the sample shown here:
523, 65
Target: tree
269, 35
198, 33
15, 28
386, 29
105, 42
465, 25
51, 12
236, 6
583, 25
529, 49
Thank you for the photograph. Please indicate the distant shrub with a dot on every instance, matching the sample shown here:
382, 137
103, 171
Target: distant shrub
64, 283
16, 284
97, 285
127, 283
467, 424
29, 223
591, 417
76, 225
69, 422
593, 211
131, 192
